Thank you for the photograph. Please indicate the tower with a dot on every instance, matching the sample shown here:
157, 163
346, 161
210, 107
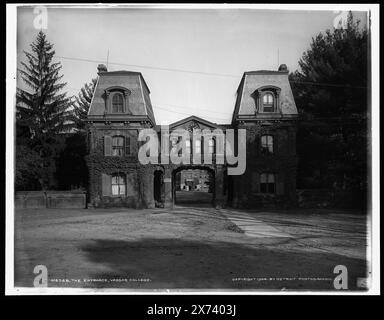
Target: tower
265, 107
120, 107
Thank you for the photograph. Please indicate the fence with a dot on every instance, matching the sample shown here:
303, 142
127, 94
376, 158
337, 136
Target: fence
50, 199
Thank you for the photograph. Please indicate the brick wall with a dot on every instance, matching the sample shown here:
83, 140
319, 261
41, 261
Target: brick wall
282, 163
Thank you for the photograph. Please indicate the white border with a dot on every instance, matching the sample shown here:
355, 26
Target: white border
11, 65
373, 251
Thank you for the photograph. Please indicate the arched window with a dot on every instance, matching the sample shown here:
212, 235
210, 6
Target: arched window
174, 141
198, 146
267, 183
117, 146
266, 144
188, 146
118, 184
268, 101
211, 146
117, 103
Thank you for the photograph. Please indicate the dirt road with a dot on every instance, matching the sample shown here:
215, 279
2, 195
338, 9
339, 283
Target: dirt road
187, 248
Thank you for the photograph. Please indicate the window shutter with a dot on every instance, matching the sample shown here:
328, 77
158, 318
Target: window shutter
279, 185
106, 182
127, 146
107, 145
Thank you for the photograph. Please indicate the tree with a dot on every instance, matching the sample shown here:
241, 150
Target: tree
42, 110
83, 102
72, 171
331, 91
28, 170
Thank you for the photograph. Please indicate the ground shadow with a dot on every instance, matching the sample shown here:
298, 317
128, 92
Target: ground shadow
176, 263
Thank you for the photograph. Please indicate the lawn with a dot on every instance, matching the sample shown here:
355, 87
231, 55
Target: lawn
186, 248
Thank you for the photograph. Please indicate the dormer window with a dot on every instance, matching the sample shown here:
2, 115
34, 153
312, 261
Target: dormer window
116, 100
268, 102
117, 103
267, 99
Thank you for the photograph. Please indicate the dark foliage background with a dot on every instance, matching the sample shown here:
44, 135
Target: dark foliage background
50, 127
331, 92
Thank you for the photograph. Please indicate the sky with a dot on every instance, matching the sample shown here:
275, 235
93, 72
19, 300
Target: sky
191, 59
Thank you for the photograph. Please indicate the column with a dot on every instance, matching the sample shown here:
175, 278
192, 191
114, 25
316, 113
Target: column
168, 196
147, 190
219, 191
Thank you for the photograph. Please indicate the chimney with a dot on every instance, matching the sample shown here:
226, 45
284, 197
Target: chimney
101, 68
283, 68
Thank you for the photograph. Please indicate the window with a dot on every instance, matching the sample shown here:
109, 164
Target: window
188, 146
173, 144
211, 146
268, 102
198, 146
118, 185
117, 146
266, 144
267, 183
117, 103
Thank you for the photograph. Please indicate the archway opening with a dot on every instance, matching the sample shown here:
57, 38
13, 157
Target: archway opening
194, 187
158, 188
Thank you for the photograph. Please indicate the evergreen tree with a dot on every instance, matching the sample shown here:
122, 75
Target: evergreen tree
331, 92
42, 110
28, 171
83, 102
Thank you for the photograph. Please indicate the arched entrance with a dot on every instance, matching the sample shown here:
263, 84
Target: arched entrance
158, 188
193, 186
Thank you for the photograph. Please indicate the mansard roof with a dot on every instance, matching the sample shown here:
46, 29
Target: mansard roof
133, 85
126, 72
254, 80
131, 81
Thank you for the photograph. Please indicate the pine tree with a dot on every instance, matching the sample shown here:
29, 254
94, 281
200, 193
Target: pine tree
42, 110
331, 92
83, 102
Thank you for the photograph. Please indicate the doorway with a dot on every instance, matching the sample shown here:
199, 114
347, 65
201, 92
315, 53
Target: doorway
158, 188
194, 187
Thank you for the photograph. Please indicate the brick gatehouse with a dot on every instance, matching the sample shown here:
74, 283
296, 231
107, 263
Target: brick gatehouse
121, 107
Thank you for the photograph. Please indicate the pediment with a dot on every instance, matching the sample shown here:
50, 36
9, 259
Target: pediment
193, 122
